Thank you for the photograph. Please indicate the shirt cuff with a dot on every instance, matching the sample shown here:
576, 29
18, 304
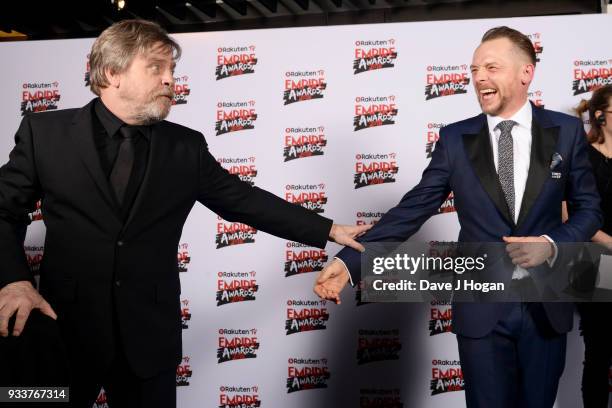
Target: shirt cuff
551, 261
346, 269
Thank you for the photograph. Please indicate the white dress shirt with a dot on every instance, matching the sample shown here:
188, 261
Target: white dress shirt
521, 148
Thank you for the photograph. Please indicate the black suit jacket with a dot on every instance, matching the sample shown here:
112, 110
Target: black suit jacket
93, 262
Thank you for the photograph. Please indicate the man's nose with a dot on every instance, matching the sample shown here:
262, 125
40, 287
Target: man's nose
479, 75
168, 79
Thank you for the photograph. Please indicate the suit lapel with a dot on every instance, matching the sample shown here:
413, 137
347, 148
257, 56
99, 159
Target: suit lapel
81, 134
480, 155
544, 137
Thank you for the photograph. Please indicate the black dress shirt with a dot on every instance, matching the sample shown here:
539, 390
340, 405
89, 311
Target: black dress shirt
107, 140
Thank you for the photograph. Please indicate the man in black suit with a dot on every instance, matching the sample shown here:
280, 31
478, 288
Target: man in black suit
117, 183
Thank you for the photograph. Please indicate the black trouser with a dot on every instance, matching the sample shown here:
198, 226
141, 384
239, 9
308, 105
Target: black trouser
124, 389
597, 334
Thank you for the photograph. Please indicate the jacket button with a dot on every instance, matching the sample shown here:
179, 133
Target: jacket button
119, 243
117, 283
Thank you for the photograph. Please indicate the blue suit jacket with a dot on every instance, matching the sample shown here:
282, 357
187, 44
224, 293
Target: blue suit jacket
463, 163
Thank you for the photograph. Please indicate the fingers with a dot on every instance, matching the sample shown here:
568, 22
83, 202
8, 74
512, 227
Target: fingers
46, 308
354, 244
318, 290
521, 261
22, 316
325, 275
5, 314
362, 229
325, 293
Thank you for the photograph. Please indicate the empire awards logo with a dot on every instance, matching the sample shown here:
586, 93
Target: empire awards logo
537, 97
233, 233
306, 315
380, 398
101, 401
374, 55
373, 111
536, 40
237, 344
36, 215
446, 376
300, 259
375, 168
307, 374
183, 372
234, 61
234, 287
236, 396
39, 97
303, 86
440, 318
181, 90
243, 167
378, 345
368, 217
448, 206
185, 314
310, 196
235, 116
590, 75
183, 257
304, 142
87, 73
446, 80
34, 255
431, 137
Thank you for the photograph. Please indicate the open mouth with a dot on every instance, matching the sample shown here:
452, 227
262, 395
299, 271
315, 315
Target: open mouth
487, 94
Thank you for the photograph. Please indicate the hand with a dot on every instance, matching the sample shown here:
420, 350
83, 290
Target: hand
346, 234
528, 252
20, 297
331, 280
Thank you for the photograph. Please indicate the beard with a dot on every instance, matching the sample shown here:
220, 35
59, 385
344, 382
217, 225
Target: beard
155, 109
495, 108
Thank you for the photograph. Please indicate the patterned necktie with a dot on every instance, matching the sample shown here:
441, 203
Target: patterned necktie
120, 175
505, 164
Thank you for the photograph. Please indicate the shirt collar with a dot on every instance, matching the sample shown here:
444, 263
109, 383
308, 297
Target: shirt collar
523, 117
111, 122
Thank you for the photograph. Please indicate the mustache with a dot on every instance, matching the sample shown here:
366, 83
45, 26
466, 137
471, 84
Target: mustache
168, 93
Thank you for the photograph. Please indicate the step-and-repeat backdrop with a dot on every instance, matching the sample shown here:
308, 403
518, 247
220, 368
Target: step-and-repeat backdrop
341, 120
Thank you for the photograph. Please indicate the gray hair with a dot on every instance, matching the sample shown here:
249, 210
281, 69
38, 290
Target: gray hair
117, 46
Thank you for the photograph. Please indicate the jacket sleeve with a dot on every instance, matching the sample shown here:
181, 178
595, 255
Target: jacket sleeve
403, 220
237, 201
19, 192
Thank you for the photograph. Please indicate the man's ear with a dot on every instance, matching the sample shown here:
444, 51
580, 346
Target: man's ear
113, 78
527, 74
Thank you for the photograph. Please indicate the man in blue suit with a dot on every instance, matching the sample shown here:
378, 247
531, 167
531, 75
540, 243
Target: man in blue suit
509, 168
